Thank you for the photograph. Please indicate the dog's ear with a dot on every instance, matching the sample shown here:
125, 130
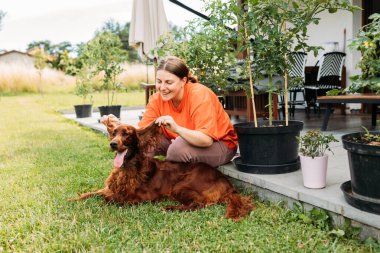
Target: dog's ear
148, 136
111, 122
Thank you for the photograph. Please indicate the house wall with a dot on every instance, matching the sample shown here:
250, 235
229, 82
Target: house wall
17, 58
331, 29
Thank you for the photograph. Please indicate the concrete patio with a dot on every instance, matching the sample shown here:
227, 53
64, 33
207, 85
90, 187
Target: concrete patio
289, 187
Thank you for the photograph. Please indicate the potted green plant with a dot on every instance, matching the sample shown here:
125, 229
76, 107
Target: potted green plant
105, 55
367, 42
83, 89
268, 31
363, 148
312, 147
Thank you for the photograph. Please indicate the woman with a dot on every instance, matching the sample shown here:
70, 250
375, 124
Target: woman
196, 127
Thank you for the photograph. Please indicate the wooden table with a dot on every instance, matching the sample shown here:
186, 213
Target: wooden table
150, 89
344, 99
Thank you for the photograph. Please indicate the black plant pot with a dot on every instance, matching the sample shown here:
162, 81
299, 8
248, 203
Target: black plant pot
268, 150
83, 111
364, 163
112, 109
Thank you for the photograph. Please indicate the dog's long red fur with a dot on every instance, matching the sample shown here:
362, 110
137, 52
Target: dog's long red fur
139, 179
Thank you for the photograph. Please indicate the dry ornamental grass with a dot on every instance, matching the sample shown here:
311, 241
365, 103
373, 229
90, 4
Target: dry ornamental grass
18, 78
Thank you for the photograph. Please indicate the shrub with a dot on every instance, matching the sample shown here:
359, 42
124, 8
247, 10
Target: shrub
314, 143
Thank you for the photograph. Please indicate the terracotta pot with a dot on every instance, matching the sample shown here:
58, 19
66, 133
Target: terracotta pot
314, 171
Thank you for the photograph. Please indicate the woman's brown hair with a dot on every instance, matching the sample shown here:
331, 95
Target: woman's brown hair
177, 67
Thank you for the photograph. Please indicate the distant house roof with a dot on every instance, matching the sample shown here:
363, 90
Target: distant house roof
16, 57
15, 51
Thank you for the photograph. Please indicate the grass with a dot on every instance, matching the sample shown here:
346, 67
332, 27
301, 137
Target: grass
18, 78
46, 159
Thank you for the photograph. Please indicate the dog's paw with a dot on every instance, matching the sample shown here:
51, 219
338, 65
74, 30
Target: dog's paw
109, 119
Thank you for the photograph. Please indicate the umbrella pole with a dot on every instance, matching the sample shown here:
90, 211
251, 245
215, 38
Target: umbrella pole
155, 69
147, 71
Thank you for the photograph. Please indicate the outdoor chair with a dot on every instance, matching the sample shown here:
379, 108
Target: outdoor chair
329, 77
296, 71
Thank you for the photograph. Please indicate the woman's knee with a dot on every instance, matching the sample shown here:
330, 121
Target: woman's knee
180, 151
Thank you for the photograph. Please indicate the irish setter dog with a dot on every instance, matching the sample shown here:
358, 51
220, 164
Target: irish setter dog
137, 178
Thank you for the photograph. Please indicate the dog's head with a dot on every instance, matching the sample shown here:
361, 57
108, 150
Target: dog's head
124, 141
128, 141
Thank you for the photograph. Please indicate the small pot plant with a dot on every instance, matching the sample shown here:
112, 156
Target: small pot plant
105, 55
312, 147
83, 89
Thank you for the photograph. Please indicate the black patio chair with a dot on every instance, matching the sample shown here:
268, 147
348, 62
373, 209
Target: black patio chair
329, 77
296, 72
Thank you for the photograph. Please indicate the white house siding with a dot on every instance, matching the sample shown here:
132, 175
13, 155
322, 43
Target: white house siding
17, 58
331, 29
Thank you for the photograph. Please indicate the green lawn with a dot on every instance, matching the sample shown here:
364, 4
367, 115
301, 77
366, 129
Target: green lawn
46, 159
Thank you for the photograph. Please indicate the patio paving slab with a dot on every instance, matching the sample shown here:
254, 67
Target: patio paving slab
289, 186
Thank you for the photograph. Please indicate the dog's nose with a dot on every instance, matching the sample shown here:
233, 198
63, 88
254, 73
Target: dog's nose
113, 145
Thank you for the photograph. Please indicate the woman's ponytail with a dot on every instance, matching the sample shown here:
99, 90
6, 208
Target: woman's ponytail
191, 78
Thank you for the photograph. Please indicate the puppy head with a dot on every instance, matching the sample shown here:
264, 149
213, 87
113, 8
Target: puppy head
111, 122
124, 141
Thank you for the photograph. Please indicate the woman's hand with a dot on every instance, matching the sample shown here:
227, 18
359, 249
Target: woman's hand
194, 137
168, 122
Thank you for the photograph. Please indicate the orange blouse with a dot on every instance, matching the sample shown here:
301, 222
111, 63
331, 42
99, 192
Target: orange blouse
199, 110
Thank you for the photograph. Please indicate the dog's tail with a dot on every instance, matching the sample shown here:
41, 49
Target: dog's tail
238, 206
87, 195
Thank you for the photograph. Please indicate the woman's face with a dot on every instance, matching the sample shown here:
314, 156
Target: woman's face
170, 86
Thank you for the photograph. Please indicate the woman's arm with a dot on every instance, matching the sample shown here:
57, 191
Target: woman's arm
194, 137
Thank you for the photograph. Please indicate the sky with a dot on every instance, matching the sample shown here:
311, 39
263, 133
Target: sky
71, 20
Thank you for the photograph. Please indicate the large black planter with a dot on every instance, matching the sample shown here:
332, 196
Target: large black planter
268, 150
112, 109
364, 163
83, 111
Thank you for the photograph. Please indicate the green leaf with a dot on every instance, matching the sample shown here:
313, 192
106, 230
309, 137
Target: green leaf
160, 157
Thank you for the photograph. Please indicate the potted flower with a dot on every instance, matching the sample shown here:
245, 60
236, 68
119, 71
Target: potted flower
312, 147
83, 89
105, 55
268, 31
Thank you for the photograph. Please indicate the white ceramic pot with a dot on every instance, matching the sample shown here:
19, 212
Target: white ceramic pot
314, 171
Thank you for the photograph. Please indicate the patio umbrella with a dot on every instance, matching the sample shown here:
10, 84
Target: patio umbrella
147, 24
